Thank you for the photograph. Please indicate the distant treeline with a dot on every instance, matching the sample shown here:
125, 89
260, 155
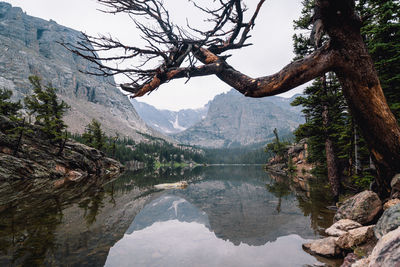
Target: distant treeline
125, 149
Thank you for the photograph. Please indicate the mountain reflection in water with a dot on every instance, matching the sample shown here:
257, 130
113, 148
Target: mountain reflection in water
230, 217
234, 216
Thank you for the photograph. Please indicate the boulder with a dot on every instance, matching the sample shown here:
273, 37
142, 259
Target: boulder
341, 227
387, 251
349, 260
361, 208
324, 247
355, 237
391, 203
395, 185
389, 221
361, 263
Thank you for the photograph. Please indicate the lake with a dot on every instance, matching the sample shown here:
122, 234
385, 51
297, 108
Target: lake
227, 216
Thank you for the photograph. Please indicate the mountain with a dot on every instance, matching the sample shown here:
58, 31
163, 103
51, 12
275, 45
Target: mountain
29, 46
234, 120
167, 121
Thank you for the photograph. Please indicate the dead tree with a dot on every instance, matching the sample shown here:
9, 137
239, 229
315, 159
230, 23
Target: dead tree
185, 52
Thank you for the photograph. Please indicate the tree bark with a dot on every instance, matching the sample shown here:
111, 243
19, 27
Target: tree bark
362, 90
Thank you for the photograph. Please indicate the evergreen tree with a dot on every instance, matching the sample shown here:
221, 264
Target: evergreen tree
48, 110
277, 147
8, 108
381, 31
324, 108
94, 135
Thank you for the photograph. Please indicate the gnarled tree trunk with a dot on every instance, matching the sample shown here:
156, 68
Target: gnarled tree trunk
362, 90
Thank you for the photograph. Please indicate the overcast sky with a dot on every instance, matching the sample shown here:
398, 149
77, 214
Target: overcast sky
272, 39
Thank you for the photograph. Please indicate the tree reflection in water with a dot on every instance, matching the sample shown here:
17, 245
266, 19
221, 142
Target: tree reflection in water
313, 199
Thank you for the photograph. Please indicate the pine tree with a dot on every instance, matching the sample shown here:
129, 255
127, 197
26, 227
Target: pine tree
94, 135
8, 108
381, 31
324, 109
48, 110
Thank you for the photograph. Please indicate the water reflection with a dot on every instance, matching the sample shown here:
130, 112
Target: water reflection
225, 211
233, 216
196, 245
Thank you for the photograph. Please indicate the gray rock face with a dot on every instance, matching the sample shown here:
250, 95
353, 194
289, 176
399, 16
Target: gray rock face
29, 47
387, 251
167, 121
234, 120
389, 221
361, 208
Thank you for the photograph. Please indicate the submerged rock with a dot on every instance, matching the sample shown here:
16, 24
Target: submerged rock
387, 251
355, 237
324, 247
362, 208
389, 221
177, 185
341, 227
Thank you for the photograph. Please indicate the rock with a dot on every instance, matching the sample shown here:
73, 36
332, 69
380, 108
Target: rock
341, 227
168, 121
38, 167
233, 120
361, 263
349, 260
324, 247
355, 237
391, 203
395, 183
30, 46
361, 208
387, 251
389, 221
75, 176
177, 185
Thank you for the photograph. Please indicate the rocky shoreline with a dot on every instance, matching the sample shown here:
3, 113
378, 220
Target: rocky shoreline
365, 233
42, 169
365, 229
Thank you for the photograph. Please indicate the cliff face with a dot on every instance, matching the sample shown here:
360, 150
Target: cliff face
29, 47
167, 121
234, 120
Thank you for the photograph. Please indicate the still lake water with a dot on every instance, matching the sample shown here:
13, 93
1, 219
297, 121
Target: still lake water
227, 216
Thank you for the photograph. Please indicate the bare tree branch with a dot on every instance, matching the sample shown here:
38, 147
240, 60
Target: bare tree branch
291, 76
168, 46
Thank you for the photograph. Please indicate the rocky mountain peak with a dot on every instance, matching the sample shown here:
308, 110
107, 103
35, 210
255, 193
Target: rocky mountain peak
30, 46
235, 120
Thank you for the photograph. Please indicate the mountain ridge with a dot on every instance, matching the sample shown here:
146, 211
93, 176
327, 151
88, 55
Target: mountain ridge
30, 47
168, 121
234, 120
